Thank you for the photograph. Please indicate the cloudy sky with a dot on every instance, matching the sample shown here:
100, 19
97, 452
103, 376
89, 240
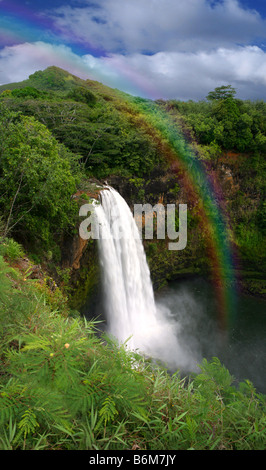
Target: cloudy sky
178, 49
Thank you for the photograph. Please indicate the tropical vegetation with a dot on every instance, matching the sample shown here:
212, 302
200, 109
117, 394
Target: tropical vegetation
63, 385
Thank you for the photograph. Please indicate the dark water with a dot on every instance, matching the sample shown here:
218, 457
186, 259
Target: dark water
242, 349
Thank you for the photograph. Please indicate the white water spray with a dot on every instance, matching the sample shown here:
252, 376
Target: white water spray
132, 314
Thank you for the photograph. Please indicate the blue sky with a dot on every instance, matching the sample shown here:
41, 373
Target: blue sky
259, 5
151, 48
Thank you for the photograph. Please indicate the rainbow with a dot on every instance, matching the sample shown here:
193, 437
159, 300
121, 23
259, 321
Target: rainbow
200, 185
20, 25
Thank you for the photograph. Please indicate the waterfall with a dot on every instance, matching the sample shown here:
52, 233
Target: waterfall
132, 314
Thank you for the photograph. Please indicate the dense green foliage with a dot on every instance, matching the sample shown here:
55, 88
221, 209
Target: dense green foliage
38, 177
62, 387
226, 122
230, 136
105, 132
91, 123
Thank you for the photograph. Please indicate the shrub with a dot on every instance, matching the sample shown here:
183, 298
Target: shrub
11, 249
62, 386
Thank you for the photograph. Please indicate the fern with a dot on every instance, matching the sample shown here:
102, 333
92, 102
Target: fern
8, 403
37, 342
61, 387
28, 423
6, 286
108, 410
82, 397
190, 430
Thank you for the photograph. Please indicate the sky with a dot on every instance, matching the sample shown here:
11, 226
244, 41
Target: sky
156, 49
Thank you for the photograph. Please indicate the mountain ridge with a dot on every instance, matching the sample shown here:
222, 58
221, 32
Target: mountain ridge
54, 78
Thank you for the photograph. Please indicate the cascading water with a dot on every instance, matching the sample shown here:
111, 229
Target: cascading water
132, 314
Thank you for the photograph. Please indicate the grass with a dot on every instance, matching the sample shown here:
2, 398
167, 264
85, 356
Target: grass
63, 387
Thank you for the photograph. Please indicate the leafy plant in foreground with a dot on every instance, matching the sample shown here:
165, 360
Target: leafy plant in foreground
62, 386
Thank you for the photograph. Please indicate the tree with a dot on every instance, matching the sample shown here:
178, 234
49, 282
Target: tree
37, 178
83, 95
27, 92
221, 93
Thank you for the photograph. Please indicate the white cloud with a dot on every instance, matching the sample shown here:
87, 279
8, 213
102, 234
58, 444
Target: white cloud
19, 61
132, 26
153, 48
178, 75
192, 75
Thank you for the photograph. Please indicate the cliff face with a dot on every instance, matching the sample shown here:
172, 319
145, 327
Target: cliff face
165, 187
81, 257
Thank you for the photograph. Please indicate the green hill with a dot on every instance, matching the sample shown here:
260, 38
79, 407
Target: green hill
60, 81
92, 120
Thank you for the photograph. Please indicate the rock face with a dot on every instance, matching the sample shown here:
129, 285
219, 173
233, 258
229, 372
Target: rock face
74, 253
81, 257
162, 186
165, 186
